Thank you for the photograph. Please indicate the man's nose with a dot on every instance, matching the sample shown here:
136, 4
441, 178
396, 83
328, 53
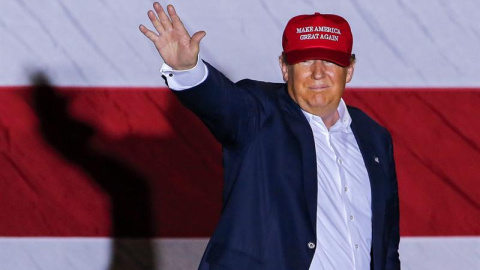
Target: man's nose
318, 69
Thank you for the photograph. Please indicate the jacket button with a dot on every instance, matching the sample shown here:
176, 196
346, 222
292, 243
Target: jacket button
311, 245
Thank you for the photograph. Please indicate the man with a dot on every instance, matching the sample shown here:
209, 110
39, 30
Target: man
309, 183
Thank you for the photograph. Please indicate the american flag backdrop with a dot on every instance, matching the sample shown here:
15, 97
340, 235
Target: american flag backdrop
102, 168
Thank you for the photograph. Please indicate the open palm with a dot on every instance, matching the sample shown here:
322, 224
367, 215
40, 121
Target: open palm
176, 47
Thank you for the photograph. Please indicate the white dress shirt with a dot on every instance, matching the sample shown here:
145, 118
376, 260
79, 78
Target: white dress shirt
344, 228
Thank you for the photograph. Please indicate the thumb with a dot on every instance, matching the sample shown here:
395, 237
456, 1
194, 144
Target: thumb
197, 37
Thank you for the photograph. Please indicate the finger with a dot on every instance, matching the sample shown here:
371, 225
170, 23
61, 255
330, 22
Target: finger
156, 23
177, 23
162, 16
197, 37
148, 33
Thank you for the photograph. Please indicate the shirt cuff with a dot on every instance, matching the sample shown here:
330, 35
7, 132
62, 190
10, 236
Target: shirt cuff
184, 79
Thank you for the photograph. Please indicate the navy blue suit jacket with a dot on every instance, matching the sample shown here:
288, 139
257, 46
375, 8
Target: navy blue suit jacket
270, 179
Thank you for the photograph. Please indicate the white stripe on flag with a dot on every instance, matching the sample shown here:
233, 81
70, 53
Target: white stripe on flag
439, 253
97, 43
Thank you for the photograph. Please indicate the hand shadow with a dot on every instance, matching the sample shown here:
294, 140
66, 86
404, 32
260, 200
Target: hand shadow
129, 192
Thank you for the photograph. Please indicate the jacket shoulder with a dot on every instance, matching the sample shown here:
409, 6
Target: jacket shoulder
260, 87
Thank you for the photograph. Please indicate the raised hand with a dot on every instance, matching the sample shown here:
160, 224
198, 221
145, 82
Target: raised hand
176, 47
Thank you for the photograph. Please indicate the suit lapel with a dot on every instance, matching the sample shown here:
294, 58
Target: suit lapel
299, 126
366, 143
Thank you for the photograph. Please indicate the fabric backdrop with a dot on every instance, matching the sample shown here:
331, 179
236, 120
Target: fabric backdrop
102, 168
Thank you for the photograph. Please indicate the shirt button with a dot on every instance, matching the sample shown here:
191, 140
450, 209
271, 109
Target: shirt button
170, 74
311, 245
346, 189
351, 217
340, 161
356, 246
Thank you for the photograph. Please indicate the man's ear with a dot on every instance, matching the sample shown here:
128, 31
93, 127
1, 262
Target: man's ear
283, 68
350, 70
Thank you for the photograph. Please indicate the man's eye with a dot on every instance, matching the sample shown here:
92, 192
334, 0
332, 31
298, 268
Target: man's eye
307, 62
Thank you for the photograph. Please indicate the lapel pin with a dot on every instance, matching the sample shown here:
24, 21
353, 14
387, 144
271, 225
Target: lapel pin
376, 160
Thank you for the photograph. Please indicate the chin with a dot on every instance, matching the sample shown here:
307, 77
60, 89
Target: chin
318, 101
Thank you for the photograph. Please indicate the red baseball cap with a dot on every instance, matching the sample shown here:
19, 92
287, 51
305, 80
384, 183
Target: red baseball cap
318, 36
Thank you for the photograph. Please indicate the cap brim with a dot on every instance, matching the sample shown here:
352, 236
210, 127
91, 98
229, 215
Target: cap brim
339, 58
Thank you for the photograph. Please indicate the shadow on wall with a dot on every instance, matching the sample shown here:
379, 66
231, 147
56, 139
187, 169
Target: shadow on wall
130, 193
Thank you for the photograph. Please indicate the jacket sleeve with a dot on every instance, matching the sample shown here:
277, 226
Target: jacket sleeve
231, 111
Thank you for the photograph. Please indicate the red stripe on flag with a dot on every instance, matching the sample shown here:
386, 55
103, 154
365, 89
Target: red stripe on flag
149, 154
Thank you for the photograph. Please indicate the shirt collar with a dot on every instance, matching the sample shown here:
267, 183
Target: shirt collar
342, 124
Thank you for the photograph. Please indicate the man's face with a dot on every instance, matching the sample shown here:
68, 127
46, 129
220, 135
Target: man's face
316, 85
